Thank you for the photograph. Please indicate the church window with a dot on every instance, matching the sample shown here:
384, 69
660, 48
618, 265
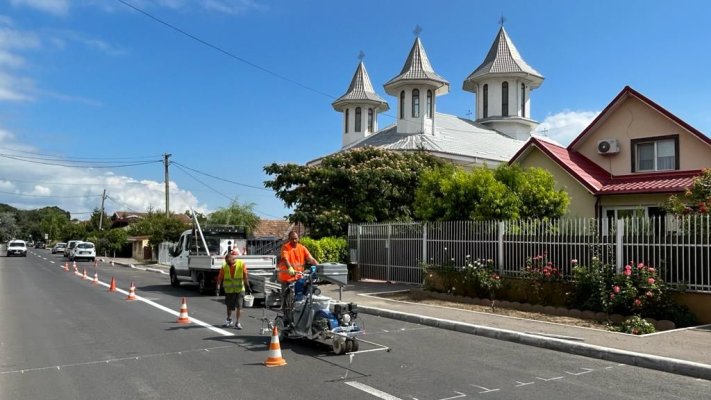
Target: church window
485, 111
357, 119
415, 103
523, 100
370, 120
505, 99
348, 116
430, 105
402, 104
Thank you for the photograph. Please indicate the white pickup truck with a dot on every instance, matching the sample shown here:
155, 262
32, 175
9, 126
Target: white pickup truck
199, 255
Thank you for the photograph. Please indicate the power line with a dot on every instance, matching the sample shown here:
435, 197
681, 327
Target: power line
50, 196
121, 204
66, 183
80, 158
220, 179
225, 52
29, 160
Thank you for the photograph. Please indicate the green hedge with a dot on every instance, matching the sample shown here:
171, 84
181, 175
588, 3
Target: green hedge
327, 249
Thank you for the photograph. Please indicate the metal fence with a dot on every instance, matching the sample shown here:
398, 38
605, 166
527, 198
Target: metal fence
679, 247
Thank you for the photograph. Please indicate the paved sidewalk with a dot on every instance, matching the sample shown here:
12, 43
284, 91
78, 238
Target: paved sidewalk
680, 351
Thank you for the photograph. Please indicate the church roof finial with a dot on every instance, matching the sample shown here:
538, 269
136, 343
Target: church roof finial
417, 30
502, 20
361, 56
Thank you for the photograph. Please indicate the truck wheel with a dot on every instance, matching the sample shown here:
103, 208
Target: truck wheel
174, 282
202, 283
355, 345
339, 346
279, 323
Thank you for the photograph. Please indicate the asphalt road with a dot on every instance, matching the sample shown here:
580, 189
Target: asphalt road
62, 337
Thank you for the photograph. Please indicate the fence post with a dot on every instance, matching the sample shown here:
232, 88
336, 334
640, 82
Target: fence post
387, 249
500, 252
424, 243
619, 245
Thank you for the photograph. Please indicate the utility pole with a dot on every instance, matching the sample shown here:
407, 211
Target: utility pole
101, 216
167, 194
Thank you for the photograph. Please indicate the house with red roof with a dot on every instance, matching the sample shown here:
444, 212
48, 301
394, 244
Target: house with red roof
627, 162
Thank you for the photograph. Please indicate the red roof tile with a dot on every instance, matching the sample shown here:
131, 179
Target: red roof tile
661, 182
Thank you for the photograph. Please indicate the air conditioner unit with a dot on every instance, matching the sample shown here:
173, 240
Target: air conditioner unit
608, 146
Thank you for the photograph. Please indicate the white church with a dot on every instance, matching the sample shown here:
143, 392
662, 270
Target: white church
502, 84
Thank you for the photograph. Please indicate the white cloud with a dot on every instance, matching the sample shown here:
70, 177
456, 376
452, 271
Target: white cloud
564, 126
26, 185
233, 7
56, 7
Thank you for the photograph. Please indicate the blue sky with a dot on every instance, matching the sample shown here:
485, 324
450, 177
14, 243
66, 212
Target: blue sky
95, 83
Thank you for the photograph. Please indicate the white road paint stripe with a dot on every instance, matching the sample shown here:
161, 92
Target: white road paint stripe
372, 391
168, 310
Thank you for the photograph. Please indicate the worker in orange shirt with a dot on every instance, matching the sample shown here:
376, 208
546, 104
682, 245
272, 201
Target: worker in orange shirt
294, 257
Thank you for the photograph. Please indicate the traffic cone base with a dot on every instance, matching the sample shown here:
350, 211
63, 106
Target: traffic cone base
131, 292
96, 278
275, 359
84, 275
183, 317
66, 266
112, 286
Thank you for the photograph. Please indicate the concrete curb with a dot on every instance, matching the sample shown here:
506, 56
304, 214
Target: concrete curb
671, 365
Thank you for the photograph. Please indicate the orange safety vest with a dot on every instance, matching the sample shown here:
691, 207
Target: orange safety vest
297, 256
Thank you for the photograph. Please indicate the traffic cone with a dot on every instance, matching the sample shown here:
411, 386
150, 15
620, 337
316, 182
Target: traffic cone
66, 266
95, 263
75, 265
84, 276
183, 317
275, 359
96, 278
112, 263
131, 292
112, 286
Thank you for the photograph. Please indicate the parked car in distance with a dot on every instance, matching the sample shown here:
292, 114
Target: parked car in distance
70, 246
40, 245
17, 248
59, 248
83, 250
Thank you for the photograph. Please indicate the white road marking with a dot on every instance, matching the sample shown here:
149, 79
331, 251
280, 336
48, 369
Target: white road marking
459, 394
550, 379
524, 383
585, 371
168, 310
372, 391
485, 390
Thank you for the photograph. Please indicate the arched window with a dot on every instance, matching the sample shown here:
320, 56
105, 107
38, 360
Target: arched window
505, 99
485, 111
523, 100
370, 120
415, 103
402, 104
357, 119
348, 116
430, 105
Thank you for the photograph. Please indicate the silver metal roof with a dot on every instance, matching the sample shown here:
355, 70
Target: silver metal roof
503, 58
360, 90
417, 68
453, 135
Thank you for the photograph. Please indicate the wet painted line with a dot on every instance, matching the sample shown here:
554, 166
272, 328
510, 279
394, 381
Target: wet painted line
372, 391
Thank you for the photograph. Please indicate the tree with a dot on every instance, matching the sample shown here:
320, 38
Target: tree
158, 227
108, 242
509, 192
453, 194
365, 184
98, 220
696, 199
53, 223
8, 226
235, 214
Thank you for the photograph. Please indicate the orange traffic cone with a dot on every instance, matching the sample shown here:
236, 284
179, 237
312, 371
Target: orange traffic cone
183, 317
275, 359
75, 265
112, 286
66, 266
84, 276
96, 278
131, 292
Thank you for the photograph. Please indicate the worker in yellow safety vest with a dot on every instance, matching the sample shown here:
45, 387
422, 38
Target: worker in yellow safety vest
235, 281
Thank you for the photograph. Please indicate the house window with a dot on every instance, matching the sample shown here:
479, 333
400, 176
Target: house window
348, 115
638, 220
657, 154
370, 120
402, 104
357, 119
505, 99
415, 103
485, 111
523, 100
430, 105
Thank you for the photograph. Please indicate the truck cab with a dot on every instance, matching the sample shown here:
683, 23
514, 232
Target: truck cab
200, 253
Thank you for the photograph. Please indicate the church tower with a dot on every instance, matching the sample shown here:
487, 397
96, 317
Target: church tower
360, 106
416, 88
503, 85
